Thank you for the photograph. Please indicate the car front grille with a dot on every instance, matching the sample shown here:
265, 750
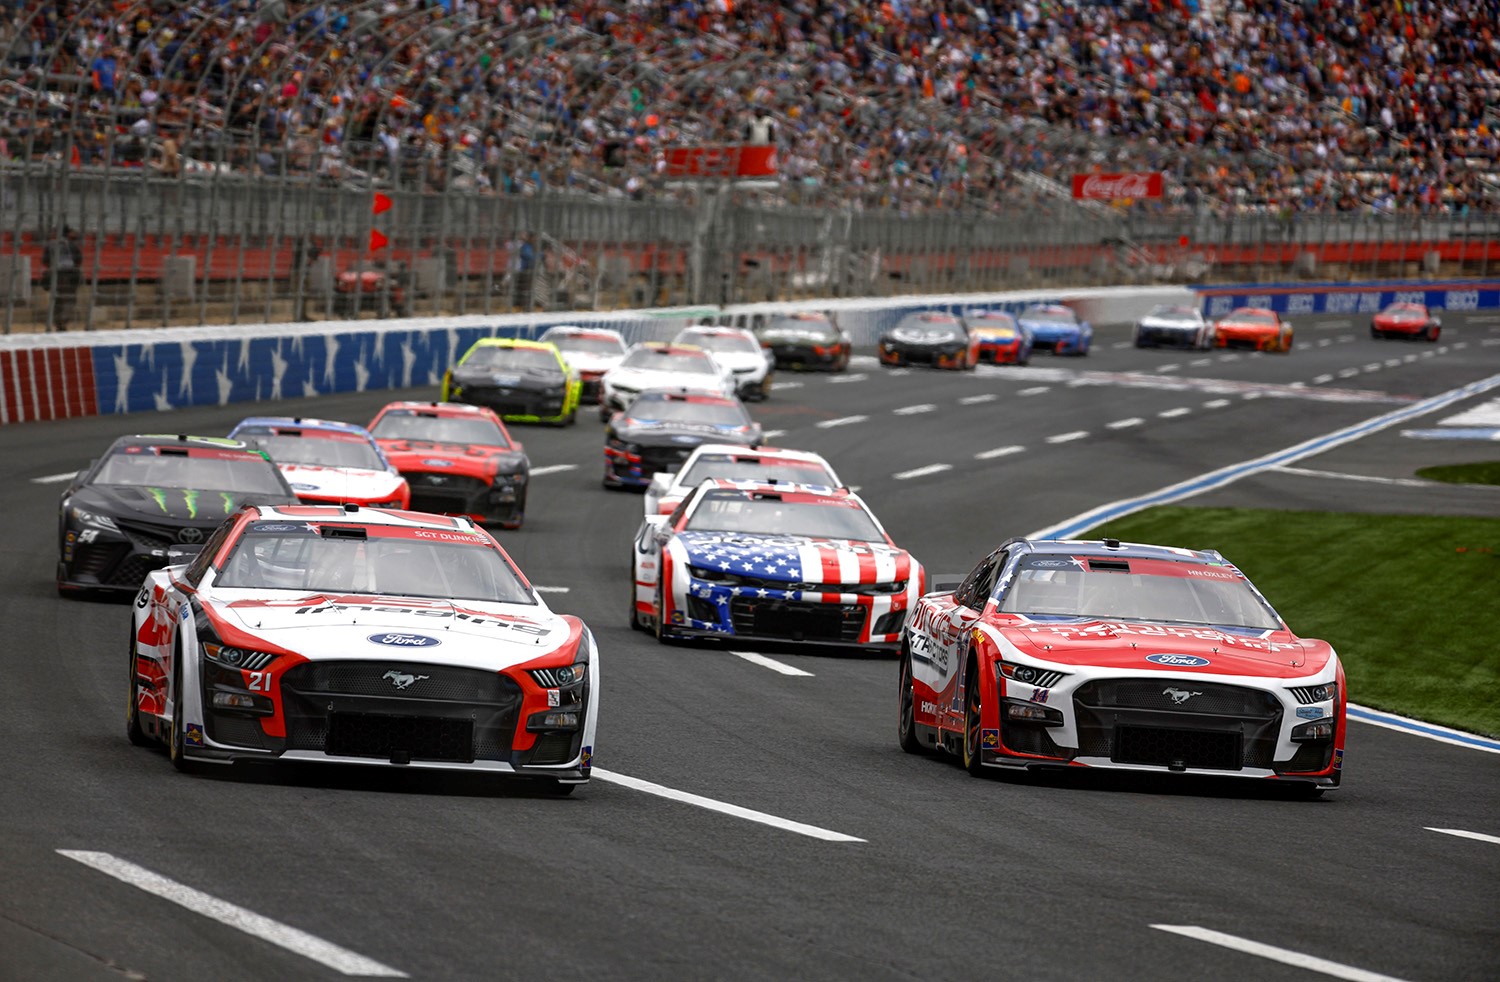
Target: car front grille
1167, 747
554, 748
655, 459
1106, 708
389, 736
1178, 696
1312, 756
796, 620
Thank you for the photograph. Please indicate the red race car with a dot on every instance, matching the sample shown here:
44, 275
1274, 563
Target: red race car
1406, 320
1253, 327
459, 460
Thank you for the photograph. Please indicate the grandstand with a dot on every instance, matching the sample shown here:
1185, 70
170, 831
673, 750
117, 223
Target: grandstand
219, 158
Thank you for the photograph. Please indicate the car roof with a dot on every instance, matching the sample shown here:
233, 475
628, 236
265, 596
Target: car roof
673, 347
180, 440
715, 330
1111, 548
1252, 310
512, 343
781, 453
353, 515
578, 331
303, 423
677, 395
440, 408
932, 316
986, 314
1051, 308
779, 487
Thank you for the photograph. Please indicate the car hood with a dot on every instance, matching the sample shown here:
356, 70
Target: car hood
1404, 315
1050, 328
509, 378
642, 379
1234, 325
795, 558
793, 335
353, 481
1153, 647
740, 361
186, 506
591, 363
422, 456
400, 630
1170, 323
925, 335
997, 333
683, 433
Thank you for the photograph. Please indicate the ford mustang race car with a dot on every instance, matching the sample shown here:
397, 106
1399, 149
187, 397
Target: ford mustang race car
348, 635
523, 381
783, 562
1406, 320
739, 351
122, 514
930, 337
1057, 329
458, 460
589, 351
764, 464
1253, 327
327, 462
1174, 325
653, 365
1113, 655
1002, 341
807, 341
661, 428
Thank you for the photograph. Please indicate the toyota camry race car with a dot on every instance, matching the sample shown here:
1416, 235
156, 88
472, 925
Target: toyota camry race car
347, 635
807, 341
1174, 325
589, 351
522, 381
930, 337
1113, 655
327, 462
767, 465
1406, 320
739, 351
458, 460
1253, 327
1057, 329
660, 429
121, 515
782, 562
654, 365
1002, 341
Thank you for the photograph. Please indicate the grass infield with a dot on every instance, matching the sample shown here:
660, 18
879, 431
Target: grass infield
1409, 602
1485, 472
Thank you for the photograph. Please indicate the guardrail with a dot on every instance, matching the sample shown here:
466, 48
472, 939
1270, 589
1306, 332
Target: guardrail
1349, 298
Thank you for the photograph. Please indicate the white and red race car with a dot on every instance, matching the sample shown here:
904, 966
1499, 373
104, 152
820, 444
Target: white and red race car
361, 636
327, 462
778, 562
764, 464
1062, 653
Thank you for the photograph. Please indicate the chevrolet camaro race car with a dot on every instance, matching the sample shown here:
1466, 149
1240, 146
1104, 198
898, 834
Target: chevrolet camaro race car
589, 351
930, 337
766, 465
739, 351
1002, 341
782, 562
1114, 655
1253, 327
1057, 329
1176, 326
348, 635
1406, 320
327, 462
123, 513
654, 365
660, 429
522, 381
805, 341
458, 460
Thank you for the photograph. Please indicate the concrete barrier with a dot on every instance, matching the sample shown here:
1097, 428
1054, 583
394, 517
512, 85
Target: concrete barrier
1349, 298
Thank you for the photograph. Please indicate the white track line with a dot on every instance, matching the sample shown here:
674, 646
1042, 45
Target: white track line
1174, 413
998, 452
1125, 424
1035, 390
553, 469
1283, 955
1068, 437
925, 407
829, 424
841, 379
1373, 366
53, 478
1216, 404
1465, 834
778, 386
723, 807
283, 936
1431, 731
1403, 482
1168, 368
1200, 362
772, 434
922, 471
771, 663
976, 400
1320, 379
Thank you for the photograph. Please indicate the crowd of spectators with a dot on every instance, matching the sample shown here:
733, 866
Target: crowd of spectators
1247, 105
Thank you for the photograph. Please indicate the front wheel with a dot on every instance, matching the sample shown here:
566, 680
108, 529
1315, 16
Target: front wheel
176, 745
973, 715
637, 621
1431, 334
133, 731
1286, 342
906, 724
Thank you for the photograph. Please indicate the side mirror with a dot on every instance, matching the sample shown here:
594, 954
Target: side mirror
182, 553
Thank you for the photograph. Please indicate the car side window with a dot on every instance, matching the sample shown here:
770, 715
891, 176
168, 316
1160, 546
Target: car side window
974, 590
201, 562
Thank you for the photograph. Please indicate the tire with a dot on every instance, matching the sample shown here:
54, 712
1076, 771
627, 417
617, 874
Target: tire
973, 706
1431, 334
133, 731
659, 625
636, 623
175, 748
1375, 334
1286, 345
906, 723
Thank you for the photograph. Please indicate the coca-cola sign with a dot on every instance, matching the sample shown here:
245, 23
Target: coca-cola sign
1108, 187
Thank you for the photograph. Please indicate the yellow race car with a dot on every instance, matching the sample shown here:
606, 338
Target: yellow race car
523, 381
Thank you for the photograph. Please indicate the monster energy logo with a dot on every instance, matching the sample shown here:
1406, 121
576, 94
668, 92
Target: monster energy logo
190, 499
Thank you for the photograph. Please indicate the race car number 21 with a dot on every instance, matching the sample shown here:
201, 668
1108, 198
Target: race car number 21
260, 681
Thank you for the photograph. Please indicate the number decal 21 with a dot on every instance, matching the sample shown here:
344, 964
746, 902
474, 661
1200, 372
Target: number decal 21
260, 681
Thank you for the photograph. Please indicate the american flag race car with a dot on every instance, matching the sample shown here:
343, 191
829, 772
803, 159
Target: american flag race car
782, 562
1061, 653
360, 636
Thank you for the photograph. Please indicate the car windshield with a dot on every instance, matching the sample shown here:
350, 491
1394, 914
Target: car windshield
586, 344
208, 470
1049, 315
661, 360
992, 320
285, 555
801, 327
655, 409
405, 424
1138, 590
773, 513
319, 448
750, 468
1403, 310
1252, 317
493, 357
720, 342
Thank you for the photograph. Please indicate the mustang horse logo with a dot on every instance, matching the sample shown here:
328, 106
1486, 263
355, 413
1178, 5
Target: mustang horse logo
402, 680
1179, 696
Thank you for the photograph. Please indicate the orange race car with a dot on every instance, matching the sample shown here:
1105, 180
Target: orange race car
1253, 327
1412, 321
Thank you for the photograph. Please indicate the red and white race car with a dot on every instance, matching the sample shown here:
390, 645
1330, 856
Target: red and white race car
1406, 320
1062, 653
327, 462
1253, 327
738, 463
360, 636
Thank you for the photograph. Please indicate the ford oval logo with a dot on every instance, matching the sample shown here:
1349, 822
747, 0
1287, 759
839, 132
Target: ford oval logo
397, 639
1178, 661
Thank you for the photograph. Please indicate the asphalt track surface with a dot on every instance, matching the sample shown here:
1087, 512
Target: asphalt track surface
1043, 878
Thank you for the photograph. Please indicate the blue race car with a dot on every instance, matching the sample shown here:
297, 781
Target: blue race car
1057, 329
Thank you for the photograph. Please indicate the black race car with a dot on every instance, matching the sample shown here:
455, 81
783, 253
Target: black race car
121, 514
807, 341
930, 337
661, 428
